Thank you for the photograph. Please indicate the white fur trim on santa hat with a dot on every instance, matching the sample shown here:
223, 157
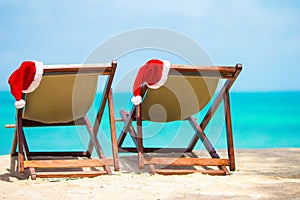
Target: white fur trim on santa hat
164, 76
20, 104
37, 77
136, 100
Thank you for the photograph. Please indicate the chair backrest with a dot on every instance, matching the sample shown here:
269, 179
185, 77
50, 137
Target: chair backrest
65, 93
188, 90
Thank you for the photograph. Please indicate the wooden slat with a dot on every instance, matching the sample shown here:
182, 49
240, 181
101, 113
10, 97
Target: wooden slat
104, 69
70, 174
61, 154
10, 126
183, 172
207, 71
203, 68
78, 65
152, 149
187, 161
30, 123
67, 163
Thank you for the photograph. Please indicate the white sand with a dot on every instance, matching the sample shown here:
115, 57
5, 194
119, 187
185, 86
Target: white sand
260, 174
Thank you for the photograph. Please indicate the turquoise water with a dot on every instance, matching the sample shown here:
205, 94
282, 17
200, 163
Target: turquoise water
260, 120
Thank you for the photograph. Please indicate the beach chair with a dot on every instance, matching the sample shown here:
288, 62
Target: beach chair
187, 91
63, 98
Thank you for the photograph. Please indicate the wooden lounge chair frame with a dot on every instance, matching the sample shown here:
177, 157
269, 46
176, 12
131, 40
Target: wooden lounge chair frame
59, 161
227, 73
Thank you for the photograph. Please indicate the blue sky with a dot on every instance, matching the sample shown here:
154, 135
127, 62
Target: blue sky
263, 35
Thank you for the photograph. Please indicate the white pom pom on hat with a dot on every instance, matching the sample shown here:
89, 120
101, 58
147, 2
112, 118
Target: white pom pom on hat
136, 100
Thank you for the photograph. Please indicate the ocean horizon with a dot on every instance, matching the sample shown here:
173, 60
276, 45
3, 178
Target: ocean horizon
260, 120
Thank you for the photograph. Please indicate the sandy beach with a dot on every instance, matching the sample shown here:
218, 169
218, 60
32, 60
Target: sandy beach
260, 174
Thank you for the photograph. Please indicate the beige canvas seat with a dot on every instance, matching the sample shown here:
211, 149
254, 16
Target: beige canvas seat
63, 98
187, 91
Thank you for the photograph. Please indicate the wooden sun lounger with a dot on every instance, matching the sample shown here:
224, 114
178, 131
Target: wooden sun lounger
202, 81
49, 105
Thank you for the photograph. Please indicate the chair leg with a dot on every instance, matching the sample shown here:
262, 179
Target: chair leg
124, 132
20, 151
96, 143
20, 141
113, 132
14, 144
209, 114
128, 128
229, 132
209, 147
201, 135
14, 155
140, 147
26, 148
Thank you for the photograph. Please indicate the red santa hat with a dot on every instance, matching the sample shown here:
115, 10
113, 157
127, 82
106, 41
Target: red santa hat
154, 73
25, 80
